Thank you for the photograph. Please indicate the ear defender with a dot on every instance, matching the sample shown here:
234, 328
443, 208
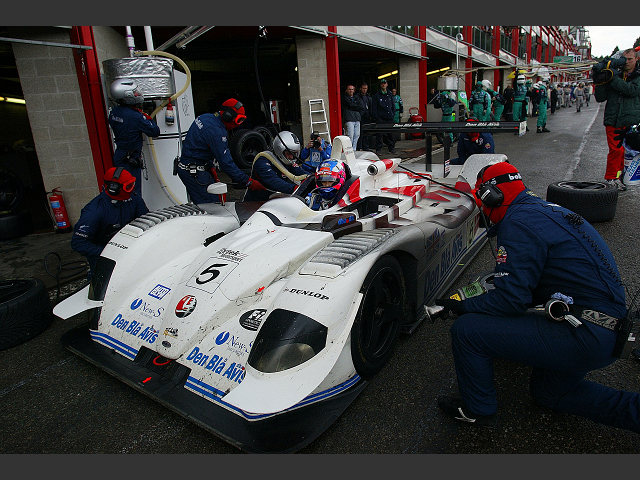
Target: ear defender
488, 194
230, 114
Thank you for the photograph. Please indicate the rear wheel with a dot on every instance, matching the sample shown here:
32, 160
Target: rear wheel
376, 325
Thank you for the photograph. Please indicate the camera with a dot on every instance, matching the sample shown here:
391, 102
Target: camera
315, 137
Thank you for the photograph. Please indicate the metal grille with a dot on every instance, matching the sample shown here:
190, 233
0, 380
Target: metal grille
151, 219
349, 248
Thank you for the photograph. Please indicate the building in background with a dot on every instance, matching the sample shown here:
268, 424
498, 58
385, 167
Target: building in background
60, 135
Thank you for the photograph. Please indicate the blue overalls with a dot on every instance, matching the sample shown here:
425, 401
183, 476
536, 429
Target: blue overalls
272, 179
128, 125
543, 249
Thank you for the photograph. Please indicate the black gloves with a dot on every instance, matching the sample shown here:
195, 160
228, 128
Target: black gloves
451, 306
630, 135
620, 133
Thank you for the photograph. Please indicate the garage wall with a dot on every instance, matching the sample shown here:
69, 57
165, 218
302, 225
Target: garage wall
409, 84
312, 77
54, 107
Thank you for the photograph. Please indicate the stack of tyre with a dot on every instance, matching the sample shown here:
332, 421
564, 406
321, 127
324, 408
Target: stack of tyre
15, 221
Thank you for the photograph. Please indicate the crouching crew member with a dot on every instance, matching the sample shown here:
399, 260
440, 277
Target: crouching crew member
543, 251
107, 213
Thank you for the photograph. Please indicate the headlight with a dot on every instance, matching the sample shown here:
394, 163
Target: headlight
286, 340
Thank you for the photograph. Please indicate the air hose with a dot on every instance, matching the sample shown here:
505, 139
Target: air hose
163, 184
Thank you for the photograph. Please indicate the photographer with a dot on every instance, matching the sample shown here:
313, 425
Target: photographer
617, 82
316, 152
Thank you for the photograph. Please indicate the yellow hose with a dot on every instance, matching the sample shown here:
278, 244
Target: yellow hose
276, 163
163, 184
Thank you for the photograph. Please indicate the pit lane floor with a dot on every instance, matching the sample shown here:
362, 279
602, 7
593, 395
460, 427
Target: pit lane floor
54, 402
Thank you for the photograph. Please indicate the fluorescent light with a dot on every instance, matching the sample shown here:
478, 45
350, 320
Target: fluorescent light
13, 100
439, 70
395, 72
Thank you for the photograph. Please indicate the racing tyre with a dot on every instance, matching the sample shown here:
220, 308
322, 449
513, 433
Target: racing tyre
595, 201
246, 146
376, 325
25, 311
266, 133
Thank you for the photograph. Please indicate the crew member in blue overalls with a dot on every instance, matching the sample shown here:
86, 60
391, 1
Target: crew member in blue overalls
102, 217
277, 171
316, 152
544, 251
206, 147
470, 143
128, 123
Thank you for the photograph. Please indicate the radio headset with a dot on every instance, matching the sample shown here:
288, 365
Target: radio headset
113, 186
230, 114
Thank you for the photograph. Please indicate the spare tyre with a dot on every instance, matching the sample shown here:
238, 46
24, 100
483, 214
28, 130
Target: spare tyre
245, 147
266, 133
595, 201
25, 311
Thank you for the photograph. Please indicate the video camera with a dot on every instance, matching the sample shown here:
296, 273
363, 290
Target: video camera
604, 71
315, 137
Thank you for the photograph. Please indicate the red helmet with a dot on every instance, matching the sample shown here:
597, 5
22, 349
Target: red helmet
232, 113
473, 135
119, 183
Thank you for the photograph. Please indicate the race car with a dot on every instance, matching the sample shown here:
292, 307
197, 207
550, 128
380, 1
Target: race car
262, 321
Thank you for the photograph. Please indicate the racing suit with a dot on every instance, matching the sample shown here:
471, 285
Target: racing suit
272, 178
444, 101
480, 104
542, 108
128, 125
100, 219
204, 148
519, 97
542, 249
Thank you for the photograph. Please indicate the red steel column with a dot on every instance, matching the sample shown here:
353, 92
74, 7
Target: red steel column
333, 81
468, 78
496, 52
88, 71
422, 72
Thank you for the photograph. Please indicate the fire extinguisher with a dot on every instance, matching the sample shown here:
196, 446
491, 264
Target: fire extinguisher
56, 201
169, 116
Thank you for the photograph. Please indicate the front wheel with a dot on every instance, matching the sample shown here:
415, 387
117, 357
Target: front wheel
376, 325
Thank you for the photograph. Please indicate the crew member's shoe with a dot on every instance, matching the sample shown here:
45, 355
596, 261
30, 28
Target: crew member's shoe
545, 129
454, 407
616, 182
538, 129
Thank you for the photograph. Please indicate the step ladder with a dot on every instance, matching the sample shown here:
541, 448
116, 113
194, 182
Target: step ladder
318, 118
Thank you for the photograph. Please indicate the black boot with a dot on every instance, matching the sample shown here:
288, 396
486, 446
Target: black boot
544, 128
538, 129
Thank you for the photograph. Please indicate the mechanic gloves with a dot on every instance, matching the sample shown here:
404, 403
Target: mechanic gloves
629, 134
450, 306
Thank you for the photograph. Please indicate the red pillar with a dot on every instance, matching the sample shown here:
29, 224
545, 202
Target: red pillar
422, 72
528, 50
333, 80
468, 78
88, 71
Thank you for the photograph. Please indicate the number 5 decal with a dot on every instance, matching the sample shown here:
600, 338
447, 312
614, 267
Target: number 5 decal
211, 274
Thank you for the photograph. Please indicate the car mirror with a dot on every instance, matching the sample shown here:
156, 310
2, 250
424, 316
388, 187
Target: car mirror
218, 188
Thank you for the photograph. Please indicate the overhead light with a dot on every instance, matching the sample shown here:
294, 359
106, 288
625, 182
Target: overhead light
395, 72
439, 70
12, 100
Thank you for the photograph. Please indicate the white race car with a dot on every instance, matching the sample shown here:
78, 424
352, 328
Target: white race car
262, 321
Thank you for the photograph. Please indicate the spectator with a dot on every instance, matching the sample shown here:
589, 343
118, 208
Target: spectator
128, 122
622, 94
205, 148
587, 93
566, 95
545, 251
352, 110
383, 109
316, 152
367, 142
102, 217
431, 95
279, 173
508, 106
554, 99
578, 94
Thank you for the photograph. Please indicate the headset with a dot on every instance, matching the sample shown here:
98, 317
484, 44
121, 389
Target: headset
113, 187
488, 193
230, 114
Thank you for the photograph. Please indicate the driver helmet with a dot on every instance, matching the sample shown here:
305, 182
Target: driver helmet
330, 176
486, 84
288, 151
125, 91
119, 183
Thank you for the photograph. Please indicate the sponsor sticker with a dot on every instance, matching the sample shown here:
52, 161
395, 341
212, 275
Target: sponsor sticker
298, 291
252, 320
501, 255
185, 306
159, 291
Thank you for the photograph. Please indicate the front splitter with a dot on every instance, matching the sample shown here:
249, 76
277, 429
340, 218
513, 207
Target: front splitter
286, 432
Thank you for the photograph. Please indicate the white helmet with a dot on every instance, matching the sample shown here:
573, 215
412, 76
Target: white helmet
126, 91
520, 79
486, 84
291, 143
